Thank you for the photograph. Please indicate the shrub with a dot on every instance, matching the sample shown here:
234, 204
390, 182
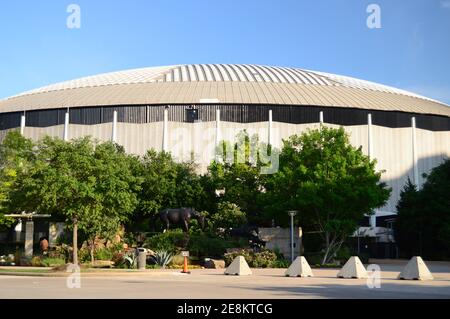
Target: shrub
229, 257
203, 245
177, 260
343, 255
171, 240
314, 258
103, 254
84, 255
263, 259
280, 263
36, 261
118, 259
62, 251
53, 262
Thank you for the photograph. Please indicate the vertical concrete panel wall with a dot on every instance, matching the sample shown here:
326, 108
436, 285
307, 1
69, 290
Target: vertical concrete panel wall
37, 133
261, 129
359, 137
282, 131
392, 148
193, 142
203, 140
229, 130
430, 151
101, 132
443, 143
138, 138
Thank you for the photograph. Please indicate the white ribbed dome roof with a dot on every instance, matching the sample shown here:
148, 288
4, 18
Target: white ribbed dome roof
222, 83
218, 73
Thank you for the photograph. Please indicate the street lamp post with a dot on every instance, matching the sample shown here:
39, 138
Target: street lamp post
292, 213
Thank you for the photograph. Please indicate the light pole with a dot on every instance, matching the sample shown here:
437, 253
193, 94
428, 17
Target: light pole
292, 213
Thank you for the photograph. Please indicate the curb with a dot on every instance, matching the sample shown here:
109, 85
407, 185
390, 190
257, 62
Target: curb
85, 274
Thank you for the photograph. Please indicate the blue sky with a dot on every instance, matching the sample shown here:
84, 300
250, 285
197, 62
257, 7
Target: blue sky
410, 51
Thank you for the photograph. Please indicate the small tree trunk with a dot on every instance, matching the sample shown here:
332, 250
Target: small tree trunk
92, 251
75, 241
327, 248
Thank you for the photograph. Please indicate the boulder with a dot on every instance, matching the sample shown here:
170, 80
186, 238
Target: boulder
150, 252
214, 263
103, 264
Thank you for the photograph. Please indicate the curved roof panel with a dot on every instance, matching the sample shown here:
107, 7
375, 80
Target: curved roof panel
223, 83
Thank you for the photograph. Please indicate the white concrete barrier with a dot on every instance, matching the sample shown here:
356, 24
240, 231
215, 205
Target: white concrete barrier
238, 267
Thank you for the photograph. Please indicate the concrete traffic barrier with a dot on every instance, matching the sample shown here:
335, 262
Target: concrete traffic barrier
238, 267
299, 268
353, 268
416, 269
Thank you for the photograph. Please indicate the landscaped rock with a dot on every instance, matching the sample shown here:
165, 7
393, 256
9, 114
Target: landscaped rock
215, 263
150, 252
103, 264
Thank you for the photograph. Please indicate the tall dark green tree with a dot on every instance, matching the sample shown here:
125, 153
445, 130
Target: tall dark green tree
423, 221
409, 223
331, 183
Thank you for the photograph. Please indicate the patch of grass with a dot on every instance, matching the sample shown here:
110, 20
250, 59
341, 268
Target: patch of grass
26, 269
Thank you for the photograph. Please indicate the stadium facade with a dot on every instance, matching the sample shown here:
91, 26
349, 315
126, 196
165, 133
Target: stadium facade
192, 107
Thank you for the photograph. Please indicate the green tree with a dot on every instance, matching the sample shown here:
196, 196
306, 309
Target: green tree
168, 184
16, 155
97, 226
331, 183
422, 226
237, 174
229, 215
82, 181
409, 223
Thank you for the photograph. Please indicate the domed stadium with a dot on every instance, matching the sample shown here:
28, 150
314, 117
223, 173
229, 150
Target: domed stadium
193, 107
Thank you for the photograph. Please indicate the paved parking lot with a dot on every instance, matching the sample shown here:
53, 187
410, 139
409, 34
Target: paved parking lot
207, 283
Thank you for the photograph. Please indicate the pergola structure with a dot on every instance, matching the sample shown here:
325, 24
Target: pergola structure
29, 229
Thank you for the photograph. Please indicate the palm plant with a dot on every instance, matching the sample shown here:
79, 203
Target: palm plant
131, 260
162, 258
